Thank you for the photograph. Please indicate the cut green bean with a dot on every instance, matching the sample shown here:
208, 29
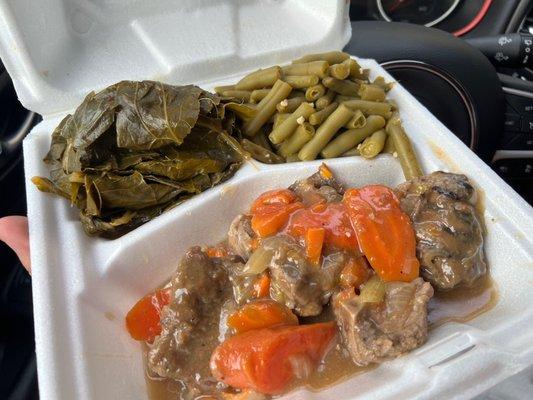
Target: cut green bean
347, 88
393, 104
243, 95
341, 99
261, 154
373, 145
325, 100
348, 139
356, 72
380, 81
371, 92
301, 81
292, 158
303, 134
267, 107
296, 93
332, 57
220, 89
289, 105
320, 116
313, 93
287, 127
318, 68
279, 118
261, 139
370, 107
357, 121
339, 71
354, 151
259, 79
325, 132
404, 149
389, 145
258, 94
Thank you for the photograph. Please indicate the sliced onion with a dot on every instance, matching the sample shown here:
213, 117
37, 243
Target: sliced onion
373, 291
258, 261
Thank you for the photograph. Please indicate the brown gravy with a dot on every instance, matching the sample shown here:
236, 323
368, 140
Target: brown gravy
458, 305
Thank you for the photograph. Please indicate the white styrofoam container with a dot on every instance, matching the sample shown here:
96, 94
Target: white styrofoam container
82, 286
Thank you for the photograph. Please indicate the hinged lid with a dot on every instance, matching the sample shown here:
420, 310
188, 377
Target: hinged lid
56, 51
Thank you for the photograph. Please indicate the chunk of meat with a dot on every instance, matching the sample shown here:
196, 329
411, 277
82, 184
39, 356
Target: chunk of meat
296, 282
448, 231
318, 188
374, 332
241, 236
190, 324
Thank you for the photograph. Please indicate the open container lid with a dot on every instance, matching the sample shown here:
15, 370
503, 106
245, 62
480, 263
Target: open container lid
57, 51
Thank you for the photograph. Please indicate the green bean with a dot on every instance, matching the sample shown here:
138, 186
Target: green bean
357, 121
260, 153
292, 158
373, 145
267, 107
259, 79
289, 105
261, 139
301, 81
365, 74
279, 118
303, 134
258, 94
318, 68
380, 81
220, 89
287, 127
332, 57
243, 95
339, 71
347, 88
356, 72
341, 99
319, 116
371, 92
325, 132
296, 93
313, 93
393, 104
325, 100
354, 151
348, 139
370, 107
404, 149
389, 145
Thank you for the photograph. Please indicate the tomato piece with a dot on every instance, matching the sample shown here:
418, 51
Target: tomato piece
332, 217
314, 240
261, 359
262, 286
384, 232
262, 313
355, 272
142, 321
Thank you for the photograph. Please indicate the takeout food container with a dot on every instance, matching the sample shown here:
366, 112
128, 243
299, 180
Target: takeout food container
57, 51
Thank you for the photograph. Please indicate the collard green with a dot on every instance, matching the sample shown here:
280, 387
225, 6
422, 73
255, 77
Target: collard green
136, 149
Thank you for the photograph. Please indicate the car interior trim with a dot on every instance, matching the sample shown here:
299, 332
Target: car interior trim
384, 15
420, 65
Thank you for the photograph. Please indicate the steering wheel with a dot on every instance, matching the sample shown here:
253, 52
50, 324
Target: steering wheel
454, 80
